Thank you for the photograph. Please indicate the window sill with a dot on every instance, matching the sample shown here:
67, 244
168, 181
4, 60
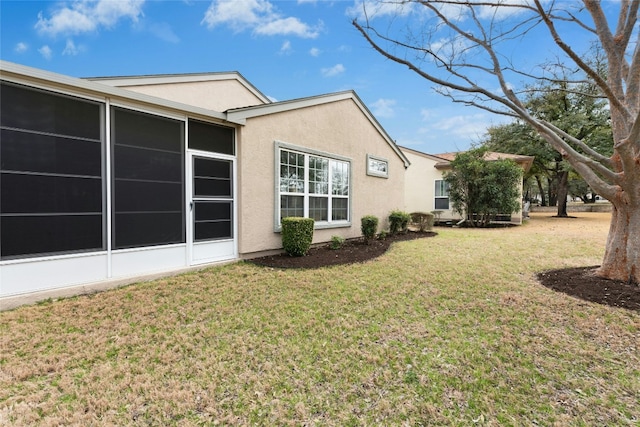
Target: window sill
322, 225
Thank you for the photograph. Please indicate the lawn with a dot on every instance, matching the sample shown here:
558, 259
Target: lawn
448, 330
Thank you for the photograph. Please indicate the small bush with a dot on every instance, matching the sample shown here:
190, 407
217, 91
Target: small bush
336, 242
422, 220
369, 226
297, 235
398, 221
382, 235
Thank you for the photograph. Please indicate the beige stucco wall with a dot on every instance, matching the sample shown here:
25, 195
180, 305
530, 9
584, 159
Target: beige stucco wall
217, 95
338, 128
420, 185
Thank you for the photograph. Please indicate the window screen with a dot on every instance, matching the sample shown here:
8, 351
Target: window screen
209, 137
148, 179
51, 168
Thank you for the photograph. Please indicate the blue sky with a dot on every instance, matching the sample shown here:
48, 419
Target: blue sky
287, 49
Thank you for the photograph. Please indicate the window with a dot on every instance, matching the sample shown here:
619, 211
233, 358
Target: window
313, 186
212, 198
52, 190
442, 195
377, 166
148, 179
210, 137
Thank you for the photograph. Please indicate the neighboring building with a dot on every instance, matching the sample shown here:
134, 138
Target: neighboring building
426, 190
115, 178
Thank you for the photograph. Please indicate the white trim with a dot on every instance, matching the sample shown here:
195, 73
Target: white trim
149, 80
239, 115
148, 110
51, 257
45, 79
108, 187
147, 248
376, 173
278, 146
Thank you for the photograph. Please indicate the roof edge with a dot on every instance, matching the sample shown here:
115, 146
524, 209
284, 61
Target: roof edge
22, 73
157, 79
239, 115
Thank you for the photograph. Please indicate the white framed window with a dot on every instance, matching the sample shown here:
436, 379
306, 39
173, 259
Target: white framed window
312, 184
442, 195
377, 166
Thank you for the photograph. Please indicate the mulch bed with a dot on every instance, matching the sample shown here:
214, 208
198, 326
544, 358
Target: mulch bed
353, 251
578, 282
581, 282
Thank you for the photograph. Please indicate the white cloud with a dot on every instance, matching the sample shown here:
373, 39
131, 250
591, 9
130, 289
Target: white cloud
260, 16
70, 48
87, 16
21, 47
285, 49
314, 51
163, 31
500, 13
46, 52
333, 71
384, 108
463, 128
376, 9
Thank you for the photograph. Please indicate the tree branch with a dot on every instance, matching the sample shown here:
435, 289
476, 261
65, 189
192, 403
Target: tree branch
588, 150
613, 99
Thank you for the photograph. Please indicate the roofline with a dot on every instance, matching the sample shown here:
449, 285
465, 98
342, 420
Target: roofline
156, 79
20, 74
423, 154
240, 115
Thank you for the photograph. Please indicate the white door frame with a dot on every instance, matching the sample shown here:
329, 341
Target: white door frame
214, 250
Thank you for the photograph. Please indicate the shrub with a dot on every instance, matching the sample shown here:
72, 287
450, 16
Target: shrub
336, 242
382, 235
297, 235
422, 220
398, 221
369, 226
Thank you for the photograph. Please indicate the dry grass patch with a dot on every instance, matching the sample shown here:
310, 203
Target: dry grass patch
451, 330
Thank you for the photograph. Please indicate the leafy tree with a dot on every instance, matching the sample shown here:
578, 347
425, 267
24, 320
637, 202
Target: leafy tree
480, 189
580, 113
467, 50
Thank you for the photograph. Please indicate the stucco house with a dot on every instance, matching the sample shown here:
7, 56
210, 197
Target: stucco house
426, 190
108, 179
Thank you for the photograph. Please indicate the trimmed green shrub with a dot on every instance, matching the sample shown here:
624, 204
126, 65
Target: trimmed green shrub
297, 235
336, 242
398, 221
369, 226
422, 220
382, 235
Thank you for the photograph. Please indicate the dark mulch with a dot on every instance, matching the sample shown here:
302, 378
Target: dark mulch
581, 282
353, 251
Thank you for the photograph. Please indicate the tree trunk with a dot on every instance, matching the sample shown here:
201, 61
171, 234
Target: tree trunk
563, 190
543, 199
551, 186
622, 254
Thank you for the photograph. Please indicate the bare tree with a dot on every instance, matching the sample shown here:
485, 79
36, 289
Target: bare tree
466, 49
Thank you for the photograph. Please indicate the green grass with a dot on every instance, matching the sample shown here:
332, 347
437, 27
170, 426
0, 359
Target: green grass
451, 330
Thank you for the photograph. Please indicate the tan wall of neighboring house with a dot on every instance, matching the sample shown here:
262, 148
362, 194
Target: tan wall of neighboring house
420, 182
420, 186
338, 128
218, 95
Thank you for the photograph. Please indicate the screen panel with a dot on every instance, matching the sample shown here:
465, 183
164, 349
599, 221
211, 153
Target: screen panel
51, 173
41, 111
213, 220
148, 179
28, 235
210, 137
